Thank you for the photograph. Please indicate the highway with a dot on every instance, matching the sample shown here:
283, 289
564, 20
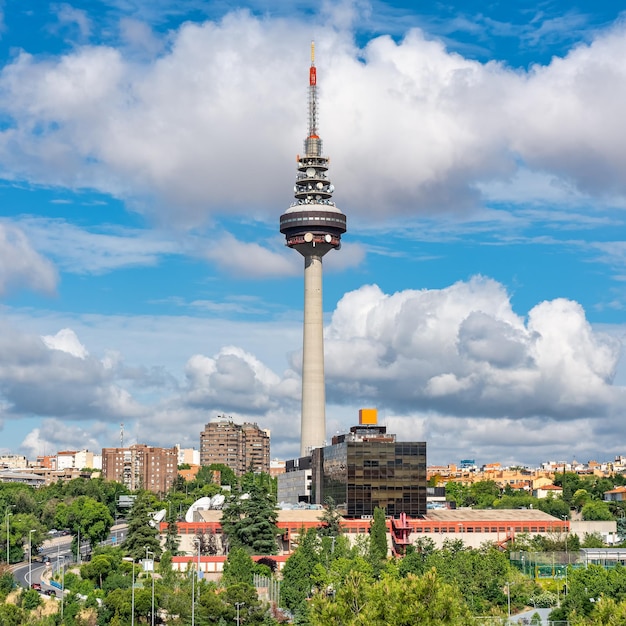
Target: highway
55, 553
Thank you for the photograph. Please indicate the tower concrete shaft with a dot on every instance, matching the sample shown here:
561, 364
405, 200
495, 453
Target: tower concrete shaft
313, 226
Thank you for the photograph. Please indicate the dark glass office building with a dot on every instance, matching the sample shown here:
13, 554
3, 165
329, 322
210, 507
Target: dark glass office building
361, 472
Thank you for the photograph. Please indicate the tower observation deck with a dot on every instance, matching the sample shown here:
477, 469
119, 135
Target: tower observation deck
313, 226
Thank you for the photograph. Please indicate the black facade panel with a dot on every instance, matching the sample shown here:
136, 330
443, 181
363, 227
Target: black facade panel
363, 475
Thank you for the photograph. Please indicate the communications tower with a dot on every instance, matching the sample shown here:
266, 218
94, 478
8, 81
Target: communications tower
313, 225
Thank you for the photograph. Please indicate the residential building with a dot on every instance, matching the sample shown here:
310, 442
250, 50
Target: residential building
141, 467
242, 447
548, 490
13, 461
276, 467
615, 495
189, 456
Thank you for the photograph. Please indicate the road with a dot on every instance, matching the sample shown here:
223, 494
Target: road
56, 552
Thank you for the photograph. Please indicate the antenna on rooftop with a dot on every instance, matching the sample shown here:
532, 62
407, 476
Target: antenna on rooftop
122, 435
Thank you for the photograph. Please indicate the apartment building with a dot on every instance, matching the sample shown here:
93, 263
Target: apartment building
242, 447
141, 467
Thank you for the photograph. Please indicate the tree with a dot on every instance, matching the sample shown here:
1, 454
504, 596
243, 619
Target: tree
330, 520
425, 600
141, 534
31, 600
457, 492
20, 536
227, 475
378, 539
554, 506
250, 521
569, 482
97, 569
580, 498
484, 493
87, 516
297, 584
11, 615
171, 535
238, 568
593, 540
596, 511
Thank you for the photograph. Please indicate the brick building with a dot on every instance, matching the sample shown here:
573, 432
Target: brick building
242, 447
141, 467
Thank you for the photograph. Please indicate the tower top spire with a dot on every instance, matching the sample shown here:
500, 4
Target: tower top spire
313, 144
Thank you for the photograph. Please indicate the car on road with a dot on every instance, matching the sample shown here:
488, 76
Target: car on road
50, 592
36, 586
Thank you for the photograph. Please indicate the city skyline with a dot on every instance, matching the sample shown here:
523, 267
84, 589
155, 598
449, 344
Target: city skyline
147, 152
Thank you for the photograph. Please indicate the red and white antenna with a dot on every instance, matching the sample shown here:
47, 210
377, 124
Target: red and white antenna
313, 144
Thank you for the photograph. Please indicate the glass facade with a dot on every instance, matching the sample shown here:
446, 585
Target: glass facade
361, 475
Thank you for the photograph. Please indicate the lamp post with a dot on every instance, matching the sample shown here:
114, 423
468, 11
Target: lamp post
61, 568
564, 518
238, 605
152, 573
30, 557
193, 593
132, 593
508, 600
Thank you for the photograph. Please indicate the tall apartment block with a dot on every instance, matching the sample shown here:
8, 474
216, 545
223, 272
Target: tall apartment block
242, 447
141, 467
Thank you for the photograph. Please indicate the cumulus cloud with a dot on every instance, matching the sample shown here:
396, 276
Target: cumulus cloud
182, 135
55, 377
54, 434
454, 364
66, 341
463, 351
21, 265
233, 381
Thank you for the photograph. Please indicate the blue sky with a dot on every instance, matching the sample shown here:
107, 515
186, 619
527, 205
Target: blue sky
148, 150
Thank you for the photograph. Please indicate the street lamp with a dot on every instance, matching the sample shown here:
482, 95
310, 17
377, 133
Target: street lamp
151, 564
132, 593
238, 604
30, 557
508, 599
564, 518
61, 568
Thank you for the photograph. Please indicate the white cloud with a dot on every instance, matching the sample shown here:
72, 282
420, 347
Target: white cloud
463, 351
66, 341
73, 19
185, 135
233, 381
249, 259
80, 251
21, 265
55, 377
53, 435
456, 367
